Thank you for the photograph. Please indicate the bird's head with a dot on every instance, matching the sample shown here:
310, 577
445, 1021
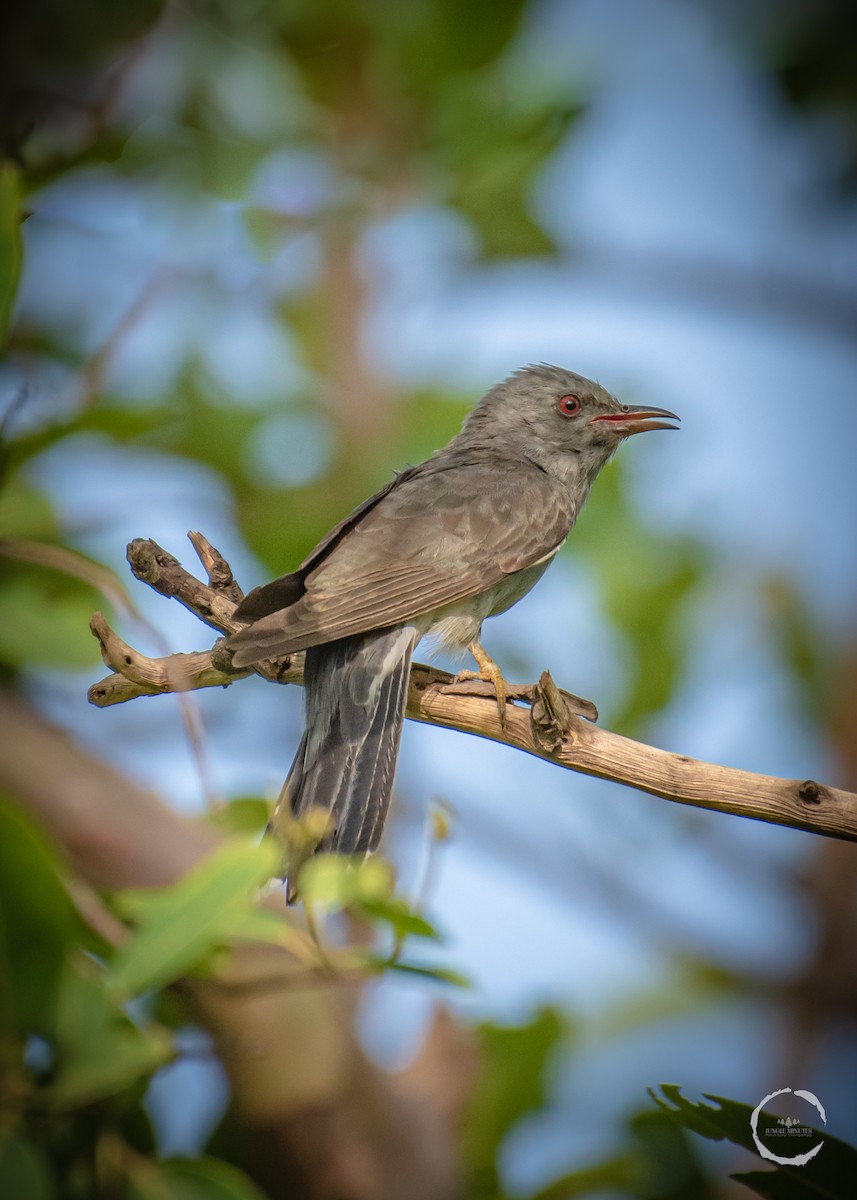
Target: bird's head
562, 421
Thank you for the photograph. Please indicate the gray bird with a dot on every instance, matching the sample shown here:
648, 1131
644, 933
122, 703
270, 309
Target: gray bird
458, 538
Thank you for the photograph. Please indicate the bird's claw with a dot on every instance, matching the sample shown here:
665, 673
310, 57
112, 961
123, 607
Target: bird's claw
489, 685
472, 683
490, 675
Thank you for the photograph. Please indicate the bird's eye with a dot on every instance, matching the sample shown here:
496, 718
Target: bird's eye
568, 406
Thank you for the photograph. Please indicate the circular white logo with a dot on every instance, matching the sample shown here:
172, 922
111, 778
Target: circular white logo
787, 1128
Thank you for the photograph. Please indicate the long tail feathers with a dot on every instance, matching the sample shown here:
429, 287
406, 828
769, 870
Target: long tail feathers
356, 691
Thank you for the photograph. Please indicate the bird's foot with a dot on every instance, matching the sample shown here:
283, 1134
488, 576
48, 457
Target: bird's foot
488, 673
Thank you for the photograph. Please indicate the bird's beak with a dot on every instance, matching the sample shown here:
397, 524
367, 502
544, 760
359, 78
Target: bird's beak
637, 420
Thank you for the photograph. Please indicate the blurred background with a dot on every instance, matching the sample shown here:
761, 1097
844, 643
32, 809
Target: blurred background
274, 250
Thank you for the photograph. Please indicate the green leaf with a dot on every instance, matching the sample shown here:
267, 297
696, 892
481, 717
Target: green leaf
659, 1164
190, 1179
103, 424
223, 165
373, 881
437, 974
10, 241
829, 1175
494, 142
125, 1055
180, 926
25, 511
427, 419
327, 881
243, 815
24, 1170
447, 39
100, 1051
44, 621
511, 1085
37, 924
621, 1174
334, 881
396, 913
262, 925
669, 1166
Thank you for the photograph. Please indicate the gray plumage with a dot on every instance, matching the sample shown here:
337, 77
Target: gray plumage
458, 538
355, 694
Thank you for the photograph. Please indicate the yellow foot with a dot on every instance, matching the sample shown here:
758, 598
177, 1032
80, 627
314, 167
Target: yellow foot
488, 672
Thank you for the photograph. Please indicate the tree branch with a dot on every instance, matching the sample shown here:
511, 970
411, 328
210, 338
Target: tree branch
554, 726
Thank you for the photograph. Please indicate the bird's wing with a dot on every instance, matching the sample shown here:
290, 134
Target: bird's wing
436, 536
288, 589
329, 542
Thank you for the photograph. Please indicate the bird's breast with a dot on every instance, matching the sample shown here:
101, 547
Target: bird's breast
514, 587
454, 626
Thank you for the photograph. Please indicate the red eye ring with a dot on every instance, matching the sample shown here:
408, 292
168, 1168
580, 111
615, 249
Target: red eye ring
568, 406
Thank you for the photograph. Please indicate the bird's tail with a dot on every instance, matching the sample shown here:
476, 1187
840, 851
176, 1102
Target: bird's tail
355, 690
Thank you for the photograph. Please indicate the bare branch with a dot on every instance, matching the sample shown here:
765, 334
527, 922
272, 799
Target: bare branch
151, 564
154, 676
801, 804
216, 567
552, 728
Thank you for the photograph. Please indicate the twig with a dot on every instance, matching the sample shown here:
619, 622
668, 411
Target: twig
553, 728
153, 565
217, 569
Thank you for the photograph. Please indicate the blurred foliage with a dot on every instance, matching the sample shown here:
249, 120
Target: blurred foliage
84, 1024
44, 611
177, 928
74, 1063
44, 620
808, 651
656, 1160
647, 579
511, 1084
10, 241
814, 52
55, 61
420, 97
